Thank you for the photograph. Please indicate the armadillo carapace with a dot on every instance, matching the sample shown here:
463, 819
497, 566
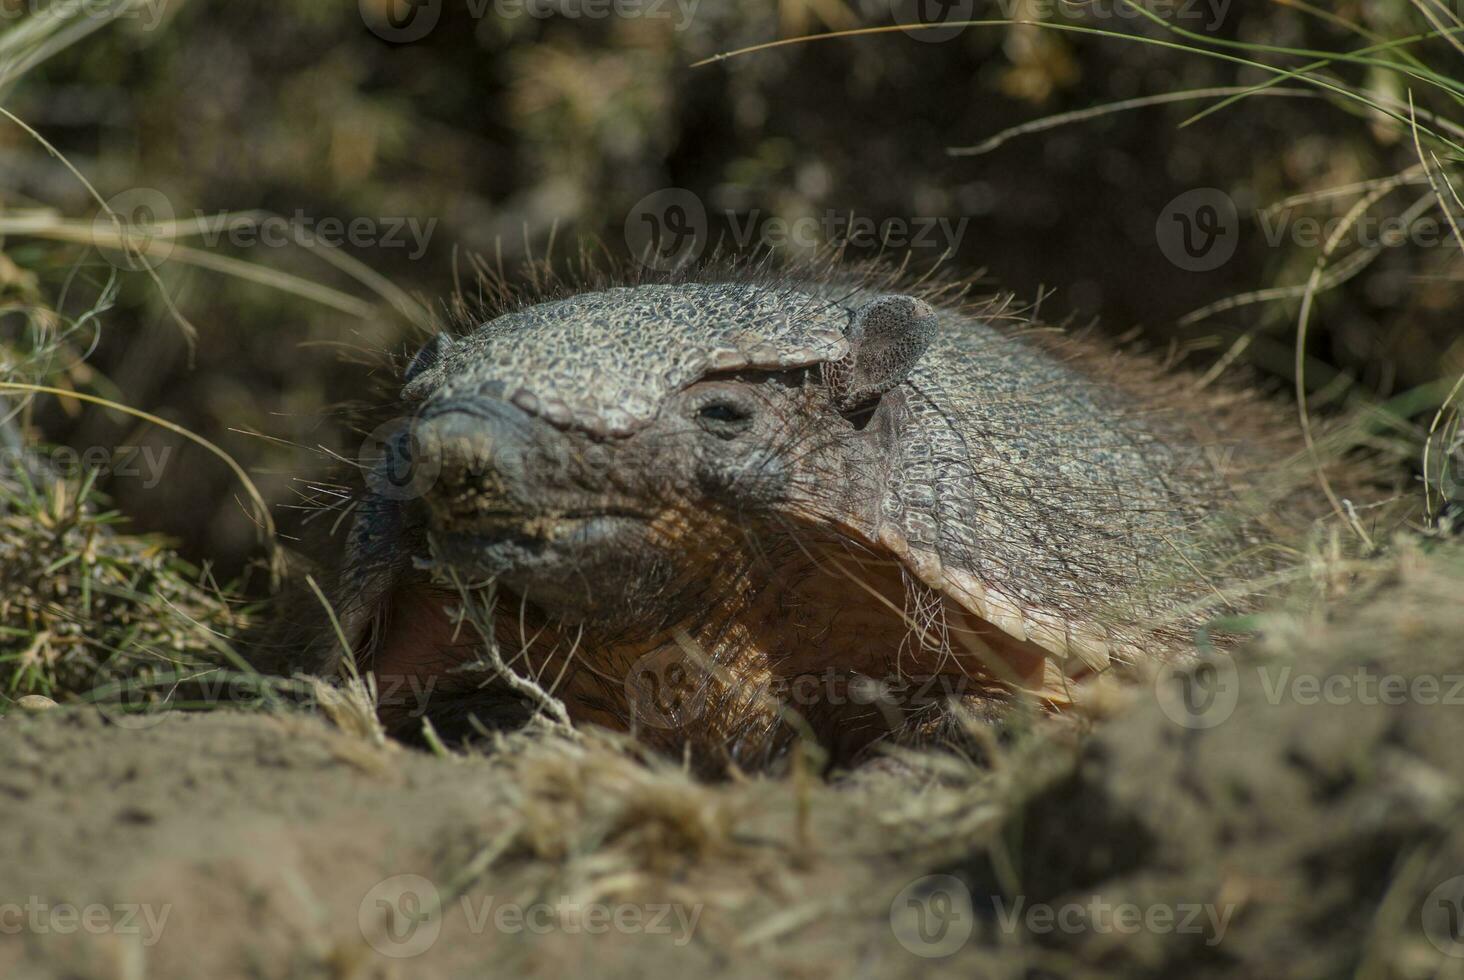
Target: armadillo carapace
722, 513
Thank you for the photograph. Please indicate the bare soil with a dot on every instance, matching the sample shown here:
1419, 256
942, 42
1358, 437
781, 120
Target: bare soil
1284, 830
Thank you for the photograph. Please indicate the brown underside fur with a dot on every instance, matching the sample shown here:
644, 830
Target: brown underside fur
844, 650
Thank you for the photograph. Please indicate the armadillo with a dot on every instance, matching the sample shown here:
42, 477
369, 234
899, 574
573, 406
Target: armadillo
731, 511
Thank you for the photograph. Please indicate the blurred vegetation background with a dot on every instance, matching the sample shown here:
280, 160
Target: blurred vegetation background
501, 132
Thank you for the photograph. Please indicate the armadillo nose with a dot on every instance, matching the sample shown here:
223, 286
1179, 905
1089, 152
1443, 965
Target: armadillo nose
475, 445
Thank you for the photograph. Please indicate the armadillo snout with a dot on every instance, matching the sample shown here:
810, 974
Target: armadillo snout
483, 456
531, 506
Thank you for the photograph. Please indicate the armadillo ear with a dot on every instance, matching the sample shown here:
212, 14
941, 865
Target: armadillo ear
887, 338
431, 353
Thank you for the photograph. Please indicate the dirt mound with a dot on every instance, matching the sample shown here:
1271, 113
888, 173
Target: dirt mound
1288, 811
1298, 804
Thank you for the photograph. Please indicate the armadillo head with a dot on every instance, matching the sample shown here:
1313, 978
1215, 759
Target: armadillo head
599, 455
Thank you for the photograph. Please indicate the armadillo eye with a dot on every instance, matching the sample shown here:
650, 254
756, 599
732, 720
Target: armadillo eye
723, 412
725, 418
